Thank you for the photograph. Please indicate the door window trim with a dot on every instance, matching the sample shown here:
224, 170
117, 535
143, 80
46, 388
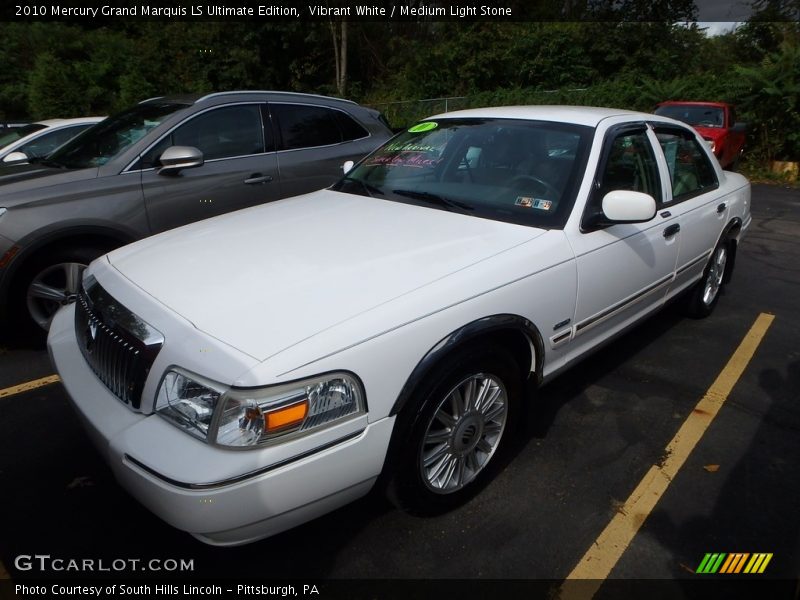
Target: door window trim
659, 127
611, 134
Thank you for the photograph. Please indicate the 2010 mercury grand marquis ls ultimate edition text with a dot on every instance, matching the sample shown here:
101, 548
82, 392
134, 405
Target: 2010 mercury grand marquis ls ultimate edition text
249, 372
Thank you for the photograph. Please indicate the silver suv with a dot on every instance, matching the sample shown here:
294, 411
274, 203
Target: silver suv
166, 162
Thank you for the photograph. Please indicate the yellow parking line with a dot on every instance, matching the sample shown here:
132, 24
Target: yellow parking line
30, 385
595, 566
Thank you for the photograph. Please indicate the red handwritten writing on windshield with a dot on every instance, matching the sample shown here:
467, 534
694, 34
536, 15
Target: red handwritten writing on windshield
405, 159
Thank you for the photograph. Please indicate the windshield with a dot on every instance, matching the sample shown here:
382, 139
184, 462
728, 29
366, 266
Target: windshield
702, 116
18, 133
106, 140
518, 171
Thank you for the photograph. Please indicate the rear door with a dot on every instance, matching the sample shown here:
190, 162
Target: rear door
693, 198
314, 142
240, 167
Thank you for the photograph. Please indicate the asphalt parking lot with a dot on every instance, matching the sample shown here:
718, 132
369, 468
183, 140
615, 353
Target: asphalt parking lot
587, 442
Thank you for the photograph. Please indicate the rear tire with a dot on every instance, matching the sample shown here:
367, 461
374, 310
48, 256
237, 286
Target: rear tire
465, 413
704, 295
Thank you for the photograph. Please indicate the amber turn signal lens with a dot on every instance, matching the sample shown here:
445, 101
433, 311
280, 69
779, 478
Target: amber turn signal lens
284, 417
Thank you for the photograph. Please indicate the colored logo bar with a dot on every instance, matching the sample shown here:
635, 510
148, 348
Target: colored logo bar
737, 562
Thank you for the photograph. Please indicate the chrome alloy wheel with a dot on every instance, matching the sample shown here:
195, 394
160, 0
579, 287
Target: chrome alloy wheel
52, 288
716, 272
463, 433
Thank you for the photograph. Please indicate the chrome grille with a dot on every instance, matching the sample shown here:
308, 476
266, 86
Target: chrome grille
118, 346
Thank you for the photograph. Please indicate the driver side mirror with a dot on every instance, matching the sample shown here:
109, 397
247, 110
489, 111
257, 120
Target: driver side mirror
626, 206
15, 157
176, 158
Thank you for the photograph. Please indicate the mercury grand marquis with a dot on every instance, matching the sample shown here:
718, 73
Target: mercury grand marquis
249, 372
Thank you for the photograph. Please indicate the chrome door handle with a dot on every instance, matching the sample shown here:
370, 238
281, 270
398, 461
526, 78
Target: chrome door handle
258, 178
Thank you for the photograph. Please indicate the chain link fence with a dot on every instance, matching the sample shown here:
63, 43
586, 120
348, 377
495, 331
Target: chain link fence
404, 113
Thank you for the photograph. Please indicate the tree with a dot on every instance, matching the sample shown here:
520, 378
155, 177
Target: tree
775, 102
339, 38
55, 90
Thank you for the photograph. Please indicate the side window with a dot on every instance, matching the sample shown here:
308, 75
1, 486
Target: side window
224, 132
304, 126
631, 165
219, 133
45, 144
351, 130
690, 169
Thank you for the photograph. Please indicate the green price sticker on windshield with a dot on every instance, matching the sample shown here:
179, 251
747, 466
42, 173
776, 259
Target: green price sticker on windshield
420, 127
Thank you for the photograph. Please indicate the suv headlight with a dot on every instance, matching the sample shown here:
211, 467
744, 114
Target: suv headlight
251, 417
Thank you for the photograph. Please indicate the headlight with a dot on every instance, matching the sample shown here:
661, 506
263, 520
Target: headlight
242, 418
187, 402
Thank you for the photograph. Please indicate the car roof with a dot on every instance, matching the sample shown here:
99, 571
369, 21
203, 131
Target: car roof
692, 102
578, 115
57, 122
197, 98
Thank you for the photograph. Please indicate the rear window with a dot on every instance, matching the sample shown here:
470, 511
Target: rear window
695, 115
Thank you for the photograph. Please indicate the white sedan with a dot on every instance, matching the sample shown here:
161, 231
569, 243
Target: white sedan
37, 140
247, 373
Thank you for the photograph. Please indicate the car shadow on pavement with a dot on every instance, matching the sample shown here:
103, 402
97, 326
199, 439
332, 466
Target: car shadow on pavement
544, 404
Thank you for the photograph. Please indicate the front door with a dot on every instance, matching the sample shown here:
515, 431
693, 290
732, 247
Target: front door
240, 168
624, 269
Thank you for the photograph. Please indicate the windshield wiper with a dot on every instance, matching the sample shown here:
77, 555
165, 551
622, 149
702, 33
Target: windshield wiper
370, 189
433, 199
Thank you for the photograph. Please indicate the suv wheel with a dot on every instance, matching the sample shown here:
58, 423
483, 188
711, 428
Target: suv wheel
50, 281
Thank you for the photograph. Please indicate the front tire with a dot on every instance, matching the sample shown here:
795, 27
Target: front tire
48, 282
466, 412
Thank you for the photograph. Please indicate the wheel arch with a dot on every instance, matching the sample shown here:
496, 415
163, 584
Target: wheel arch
514, 332
80, 236
731, 233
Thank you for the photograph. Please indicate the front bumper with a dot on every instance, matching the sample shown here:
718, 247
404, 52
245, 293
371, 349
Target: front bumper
235, 504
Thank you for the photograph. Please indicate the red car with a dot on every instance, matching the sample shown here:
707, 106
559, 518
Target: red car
716, 122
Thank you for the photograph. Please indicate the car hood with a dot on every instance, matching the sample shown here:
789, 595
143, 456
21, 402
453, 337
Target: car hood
266, 278
17, 180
